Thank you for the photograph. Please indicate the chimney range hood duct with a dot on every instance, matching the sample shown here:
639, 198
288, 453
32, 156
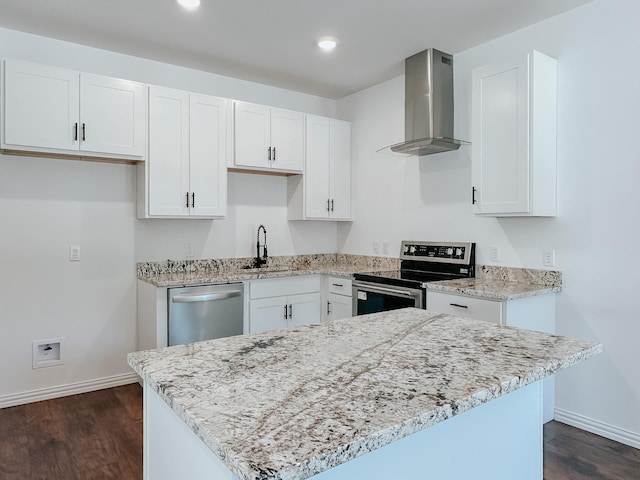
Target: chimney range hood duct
428, 105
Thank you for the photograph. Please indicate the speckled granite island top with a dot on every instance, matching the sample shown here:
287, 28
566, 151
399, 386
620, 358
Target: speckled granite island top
292, 403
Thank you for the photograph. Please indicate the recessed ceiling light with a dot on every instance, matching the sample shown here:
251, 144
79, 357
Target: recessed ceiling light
327, 44
189, 4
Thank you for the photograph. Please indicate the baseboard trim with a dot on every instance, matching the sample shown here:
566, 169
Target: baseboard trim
66, 390
599, 428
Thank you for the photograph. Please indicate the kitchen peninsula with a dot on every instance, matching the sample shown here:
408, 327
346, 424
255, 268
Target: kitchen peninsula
401, 394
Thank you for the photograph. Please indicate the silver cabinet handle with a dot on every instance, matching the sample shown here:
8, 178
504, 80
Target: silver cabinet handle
328, 203
193, 200
187, 199
458, 305
269, 155
274, 154
332, 205
290, 311
207, 297
328, 308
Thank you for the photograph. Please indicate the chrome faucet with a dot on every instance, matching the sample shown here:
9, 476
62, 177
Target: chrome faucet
261, 260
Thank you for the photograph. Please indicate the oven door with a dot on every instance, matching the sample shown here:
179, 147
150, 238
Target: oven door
377, 297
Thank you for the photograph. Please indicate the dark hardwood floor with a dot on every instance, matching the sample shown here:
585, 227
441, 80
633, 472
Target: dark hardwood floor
92, 436
98, 435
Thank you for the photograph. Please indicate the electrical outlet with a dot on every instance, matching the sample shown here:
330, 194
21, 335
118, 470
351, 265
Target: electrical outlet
549, 258
376, 247
494, 253
385, 248
188, 250
74, 253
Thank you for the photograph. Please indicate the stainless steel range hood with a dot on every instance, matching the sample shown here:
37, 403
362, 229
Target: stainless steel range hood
428, 105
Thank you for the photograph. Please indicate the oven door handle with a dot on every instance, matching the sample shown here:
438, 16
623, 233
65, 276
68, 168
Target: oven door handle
384, 290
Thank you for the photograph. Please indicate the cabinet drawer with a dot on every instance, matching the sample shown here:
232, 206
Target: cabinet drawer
462, 306
277, 287
341, 286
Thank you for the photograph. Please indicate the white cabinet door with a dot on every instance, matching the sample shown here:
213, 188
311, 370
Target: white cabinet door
514, 137
168, 163
252, 135
268, 314
316, 175
340, 170
501, 140
340, 306
287, 140
207, 158
304, 309
41, 106
112, 116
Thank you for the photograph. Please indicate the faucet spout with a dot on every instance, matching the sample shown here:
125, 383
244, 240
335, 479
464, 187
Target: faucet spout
261, 260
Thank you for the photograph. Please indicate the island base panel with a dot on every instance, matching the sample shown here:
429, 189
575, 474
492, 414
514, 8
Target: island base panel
501, 440
172, 450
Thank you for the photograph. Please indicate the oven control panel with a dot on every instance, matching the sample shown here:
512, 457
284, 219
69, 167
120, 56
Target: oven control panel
435, 252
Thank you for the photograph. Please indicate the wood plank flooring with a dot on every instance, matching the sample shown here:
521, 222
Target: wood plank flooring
93, 436
98, 436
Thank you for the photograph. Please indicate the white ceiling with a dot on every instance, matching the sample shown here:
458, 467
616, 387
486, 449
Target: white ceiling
274, 41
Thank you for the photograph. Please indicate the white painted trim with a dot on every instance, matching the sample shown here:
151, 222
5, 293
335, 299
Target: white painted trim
66, 390
599, 428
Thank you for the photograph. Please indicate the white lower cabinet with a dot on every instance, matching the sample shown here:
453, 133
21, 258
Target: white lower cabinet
338, 302
283, 302
532, 313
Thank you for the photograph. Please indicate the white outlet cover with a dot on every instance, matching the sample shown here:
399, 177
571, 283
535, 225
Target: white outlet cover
376, 247
494, 253
74, 253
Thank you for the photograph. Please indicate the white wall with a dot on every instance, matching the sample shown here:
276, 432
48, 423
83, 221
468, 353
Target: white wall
47, 205
596, 232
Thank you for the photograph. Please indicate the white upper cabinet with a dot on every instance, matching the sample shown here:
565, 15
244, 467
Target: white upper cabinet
268, 138
324, 192
514, 137
112, 116
186, 169
59, 111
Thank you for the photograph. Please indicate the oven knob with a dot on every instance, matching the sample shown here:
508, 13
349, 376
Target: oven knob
412, 249
406, 249
458, 252
449, 251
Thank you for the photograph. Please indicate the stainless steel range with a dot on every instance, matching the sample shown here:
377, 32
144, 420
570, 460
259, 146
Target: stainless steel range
421, 263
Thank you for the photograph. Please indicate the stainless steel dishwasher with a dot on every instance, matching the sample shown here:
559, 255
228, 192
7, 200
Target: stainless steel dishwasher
205, 312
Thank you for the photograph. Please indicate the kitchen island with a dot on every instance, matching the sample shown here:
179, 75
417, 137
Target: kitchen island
401, 394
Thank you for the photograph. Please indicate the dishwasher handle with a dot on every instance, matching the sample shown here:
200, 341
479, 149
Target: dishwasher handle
206, 297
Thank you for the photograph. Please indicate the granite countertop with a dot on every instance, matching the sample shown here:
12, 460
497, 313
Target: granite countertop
179, 279
492, 288
289, 404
